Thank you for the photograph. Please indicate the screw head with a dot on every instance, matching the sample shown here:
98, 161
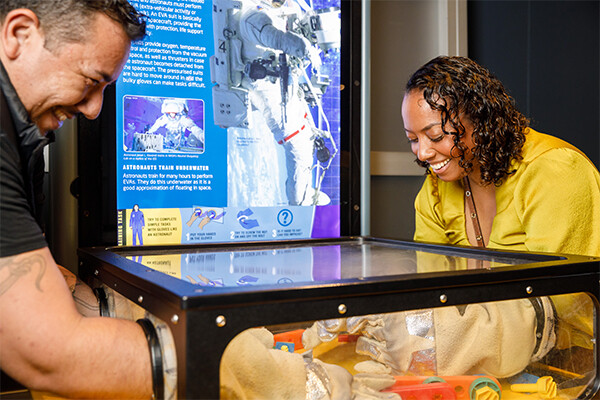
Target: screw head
175, 318
443, 298
140, 299
529, 289
221, 321
342, 309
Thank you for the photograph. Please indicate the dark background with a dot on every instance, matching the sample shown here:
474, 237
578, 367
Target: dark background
546, 54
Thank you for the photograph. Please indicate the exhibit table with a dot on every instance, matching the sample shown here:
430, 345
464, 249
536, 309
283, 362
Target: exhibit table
208, 294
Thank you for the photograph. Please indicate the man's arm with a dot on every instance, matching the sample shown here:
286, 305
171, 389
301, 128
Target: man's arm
47, 345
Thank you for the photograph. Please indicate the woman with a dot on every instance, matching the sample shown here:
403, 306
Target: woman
530, 192
493, 181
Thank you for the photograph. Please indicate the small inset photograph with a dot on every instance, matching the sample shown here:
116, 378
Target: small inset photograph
163, 124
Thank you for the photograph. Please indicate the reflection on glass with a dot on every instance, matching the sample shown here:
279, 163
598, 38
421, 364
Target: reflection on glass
319, 263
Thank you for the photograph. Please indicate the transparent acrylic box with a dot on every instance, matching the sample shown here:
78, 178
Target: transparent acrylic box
431, 314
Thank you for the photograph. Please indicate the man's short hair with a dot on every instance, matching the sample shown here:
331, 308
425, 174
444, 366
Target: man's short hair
68, 20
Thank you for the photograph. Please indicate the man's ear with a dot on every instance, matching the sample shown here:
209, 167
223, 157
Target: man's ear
20, 27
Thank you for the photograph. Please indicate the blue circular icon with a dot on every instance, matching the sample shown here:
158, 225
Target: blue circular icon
285, 217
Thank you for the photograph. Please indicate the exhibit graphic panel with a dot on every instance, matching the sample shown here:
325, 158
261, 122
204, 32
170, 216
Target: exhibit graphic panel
228, 123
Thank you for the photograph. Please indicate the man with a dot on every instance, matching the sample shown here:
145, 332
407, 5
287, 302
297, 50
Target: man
57, 56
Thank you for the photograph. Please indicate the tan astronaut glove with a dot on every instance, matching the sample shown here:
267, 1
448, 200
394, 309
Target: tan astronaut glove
85, 299
252, 369
372, 377
386, 338
499, 339
496, 339
115, 305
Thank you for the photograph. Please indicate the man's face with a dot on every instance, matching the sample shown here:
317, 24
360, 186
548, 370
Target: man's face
71, 78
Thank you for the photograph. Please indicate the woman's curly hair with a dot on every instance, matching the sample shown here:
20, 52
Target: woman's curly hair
459, 87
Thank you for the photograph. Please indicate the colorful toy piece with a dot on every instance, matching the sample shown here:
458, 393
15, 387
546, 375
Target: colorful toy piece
545, 387
484, 389
429, 391
465, 387
285, 346
294, 337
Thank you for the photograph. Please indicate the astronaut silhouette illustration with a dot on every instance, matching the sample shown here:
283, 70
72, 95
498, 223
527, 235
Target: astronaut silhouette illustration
137, 224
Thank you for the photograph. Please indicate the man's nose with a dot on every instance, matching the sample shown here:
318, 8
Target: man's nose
91, 105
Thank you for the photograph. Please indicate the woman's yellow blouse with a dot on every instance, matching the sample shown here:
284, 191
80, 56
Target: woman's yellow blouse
550, 204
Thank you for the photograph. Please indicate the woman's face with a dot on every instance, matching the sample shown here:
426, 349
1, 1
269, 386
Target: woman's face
427, 140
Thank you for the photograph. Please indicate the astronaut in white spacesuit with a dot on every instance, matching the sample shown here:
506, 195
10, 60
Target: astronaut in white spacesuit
285, 112
267, 61
176, 122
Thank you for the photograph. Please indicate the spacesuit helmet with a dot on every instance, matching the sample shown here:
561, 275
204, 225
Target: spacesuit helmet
172, 108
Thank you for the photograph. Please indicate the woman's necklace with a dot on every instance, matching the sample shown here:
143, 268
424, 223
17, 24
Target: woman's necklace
473, 212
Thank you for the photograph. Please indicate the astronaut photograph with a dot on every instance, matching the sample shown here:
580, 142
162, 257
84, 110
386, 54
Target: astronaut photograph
158, 124
276, 90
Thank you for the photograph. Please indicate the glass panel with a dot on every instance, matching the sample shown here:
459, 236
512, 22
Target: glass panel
534, 348
315, 263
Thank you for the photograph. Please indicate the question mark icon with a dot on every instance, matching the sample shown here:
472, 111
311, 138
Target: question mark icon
285, 217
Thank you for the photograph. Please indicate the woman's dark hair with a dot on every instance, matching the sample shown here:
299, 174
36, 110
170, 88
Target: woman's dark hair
459, 87
68, 20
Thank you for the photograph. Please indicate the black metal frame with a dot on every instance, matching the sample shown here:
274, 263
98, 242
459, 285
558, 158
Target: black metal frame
192, 311
350, 159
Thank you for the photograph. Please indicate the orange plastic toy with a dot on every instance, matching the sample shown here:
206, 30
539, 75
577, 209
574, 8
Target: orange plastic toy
464, 387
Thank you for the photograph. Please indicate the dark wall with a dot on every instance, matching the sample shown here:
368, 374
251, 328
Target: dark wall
547, 55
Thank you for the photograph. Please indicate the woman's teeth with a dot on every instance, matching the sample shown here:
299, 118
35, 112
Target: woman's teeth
440, 165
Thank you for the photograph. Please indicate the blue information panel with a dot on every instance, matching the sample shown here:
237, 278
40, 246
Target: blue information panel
228, 123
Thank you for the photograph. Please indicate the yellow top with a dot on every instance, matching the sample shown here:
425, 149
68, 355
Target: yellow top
550, 204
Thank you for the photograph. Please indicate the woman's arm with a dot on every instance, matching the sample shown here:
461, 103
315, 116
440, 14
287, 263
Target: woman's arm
429, 226
558, 202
